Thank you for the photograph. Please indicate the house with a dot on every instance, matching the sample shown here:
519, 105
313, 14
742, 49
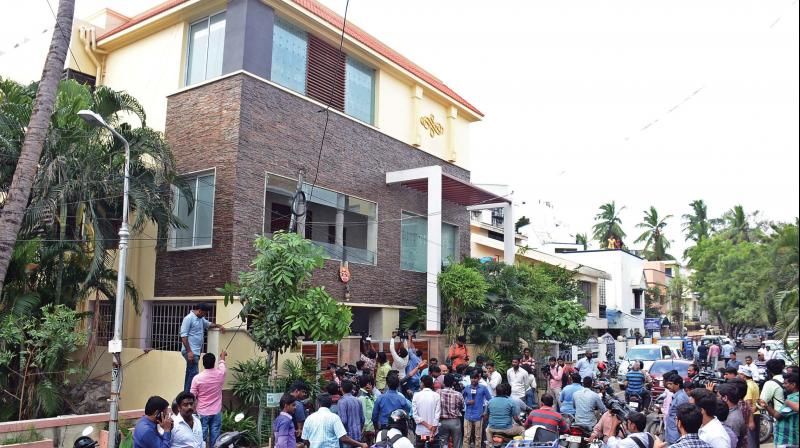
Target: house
624, 292
254, 96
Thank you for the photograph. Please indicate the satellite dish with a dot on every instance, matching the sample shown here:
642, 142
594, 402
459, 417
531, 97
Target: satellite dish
87, 431
238, 417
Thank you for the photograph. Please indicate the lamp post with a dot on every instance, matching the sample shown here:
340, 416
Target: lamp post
115, 345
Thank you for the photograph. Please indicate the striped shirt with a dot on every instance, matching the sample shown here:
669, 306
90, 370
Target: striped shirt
452, 403
635, 379
323, 429
786, 427
547, 417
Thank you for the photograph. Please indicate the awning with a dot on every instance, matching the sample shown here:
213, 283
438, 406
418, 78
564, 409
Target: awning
458, 191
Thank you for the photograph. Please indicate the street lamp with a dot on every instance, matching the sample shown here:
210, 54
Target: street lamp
115, 345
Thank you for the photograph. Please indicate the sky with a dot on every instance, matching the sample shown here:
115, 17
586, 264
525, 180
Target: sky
640, 102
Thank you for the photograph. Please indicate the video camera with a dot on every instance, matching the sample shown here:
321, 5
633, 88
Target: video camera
618, 408
403, 333
706, 377
365, 336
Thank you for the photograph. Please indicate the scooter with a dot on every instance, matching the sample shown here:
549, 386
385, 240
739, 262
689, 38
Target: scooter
231, 439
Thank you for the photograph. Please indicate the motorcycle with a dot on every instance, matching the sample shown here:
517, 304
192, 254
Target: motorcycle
578, 437
765, 427
655, 418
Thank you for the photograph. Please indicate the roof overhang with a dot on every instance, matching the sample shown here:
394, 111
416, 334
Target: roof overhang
458, 191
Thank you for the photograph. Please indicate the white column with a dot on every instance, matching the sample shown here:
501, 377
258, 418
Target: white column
434, 244
509, 235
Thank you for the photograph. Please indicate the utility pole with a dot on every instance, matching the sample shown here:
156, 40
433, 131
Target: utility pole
297, 221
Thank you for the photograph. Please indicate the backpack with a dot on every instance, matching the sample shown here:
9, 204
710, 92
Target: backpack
387, 442
640, 444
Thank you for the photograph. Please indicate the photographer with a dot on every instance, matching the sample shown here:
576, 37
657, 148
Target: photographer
634, 426
368, 354
156, 413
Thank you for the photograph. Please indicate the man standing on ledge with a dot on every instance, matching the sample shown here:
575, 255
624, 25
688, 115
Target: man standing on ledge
193, 330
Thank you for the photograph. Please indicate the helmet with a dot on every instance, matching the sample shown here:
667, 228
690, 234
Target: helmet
601, 365
398, 415
84, 442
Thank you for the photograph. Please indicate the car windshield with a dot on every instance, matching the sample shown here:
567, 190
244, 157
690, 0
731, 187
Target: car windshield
661, 367
644, 354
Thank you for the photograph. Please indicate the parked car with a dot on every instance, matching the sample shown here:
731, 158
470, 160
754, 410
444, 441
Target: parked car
773, 344
751, 340
648, 354
660, 367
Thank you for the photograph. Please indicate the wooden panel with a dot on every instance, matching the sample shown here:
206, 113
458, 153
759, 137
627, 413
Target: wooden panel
325, 74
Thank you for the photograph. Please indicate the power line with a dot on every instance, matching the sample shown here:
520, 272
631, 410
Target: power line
330, 100
69, 41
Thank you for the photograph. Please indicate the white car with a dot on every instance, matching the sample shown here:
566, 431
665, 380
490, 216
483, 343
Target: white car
647, 354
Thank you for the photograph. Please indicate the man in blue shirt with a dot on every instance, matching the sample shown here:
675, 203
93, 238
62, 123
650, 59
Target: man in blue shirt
586, 402
389, 402
350, 412
476, 396
567, 404
193, 330
146, 433
635, 381
674, 383
503, 414
414, 358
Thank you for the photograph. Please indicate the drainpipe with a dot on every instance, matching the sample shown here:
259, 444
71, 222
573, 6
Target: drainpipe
89, 38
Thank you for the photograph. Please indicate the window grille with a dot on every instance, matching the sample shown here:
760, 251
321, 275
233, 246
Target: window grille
105, 322
586, 296
165, 324
602, 292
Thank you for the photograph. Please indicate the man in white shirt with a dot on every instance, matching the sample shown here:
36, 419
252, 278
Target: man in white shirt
494, 377
426, 407
587, 366
748, 362
711, 431
518, 379
399, 357
772, 391
397, 430
187, 432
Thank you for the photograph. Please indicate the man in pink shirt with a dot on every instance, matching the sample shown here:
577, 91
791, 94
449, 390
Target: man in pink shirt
713, 355
554, 384
207, 388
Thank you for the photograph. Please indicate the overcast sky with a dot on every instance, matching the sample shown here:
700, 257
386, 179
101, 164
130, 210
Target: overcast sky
586, 101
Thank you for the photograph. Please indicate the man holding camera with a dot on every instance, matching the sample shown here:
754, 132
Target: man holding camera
156, 413
634, 427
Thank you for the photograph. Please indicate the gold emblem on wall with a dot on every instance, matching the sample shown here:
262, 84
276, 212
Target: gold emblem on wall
429, 122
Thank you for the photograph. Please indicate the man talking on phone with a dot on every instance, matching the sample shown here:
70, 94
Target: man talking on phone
156, 414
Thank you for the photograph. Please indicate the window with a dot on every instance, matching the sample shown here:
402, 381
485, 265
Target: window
165, 324
199, 219
313, 67
104, 317
358, 88
637, 299
345, 226
206, 43
602, 291
289, 56
586, 295
668, 271
414, 243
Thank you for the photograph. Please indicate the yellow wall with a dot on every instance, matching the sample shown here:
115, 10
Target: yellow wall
149, 69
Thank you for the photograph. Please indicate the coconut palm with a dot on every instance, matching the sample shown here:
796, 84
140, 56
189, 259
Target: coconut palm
655, 243
737, 225
608, 223
696, 224
77, 190
581, 239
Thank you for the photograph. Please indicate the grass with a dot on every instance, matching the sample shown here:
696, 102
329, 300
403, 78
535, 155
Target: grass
31, 435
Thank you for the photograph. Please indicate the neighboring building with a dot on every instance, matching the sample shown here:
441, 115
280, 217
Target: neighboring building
624, 292
660, 274
240, 88
488, 243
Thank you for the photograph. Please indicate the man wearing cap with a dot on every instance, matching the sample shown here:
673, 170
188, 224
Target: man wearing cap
751, 397
193, 330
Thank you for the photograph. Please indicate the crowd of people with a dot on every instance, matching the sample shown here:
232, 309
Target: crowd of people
462, 402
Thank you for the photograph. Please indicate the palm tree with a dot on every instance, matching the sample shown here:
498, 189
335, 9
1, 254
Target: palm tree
696, 224
19, 190
581, 239
737, 225
77, 188
608, 223
655, 243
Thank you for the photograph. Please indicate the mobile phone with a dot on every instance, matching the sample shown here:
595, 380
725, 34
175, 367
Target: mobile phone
159, 417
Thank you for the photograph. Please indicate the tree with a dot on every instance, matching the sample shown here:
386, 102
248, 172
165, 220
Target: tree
36, 132
730, 280
677, 290
463, 290
781, 292
581, 239
278, 299
77, 189
737, 226
35, 361
655, 243
696, 224
521, 222
608, 223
